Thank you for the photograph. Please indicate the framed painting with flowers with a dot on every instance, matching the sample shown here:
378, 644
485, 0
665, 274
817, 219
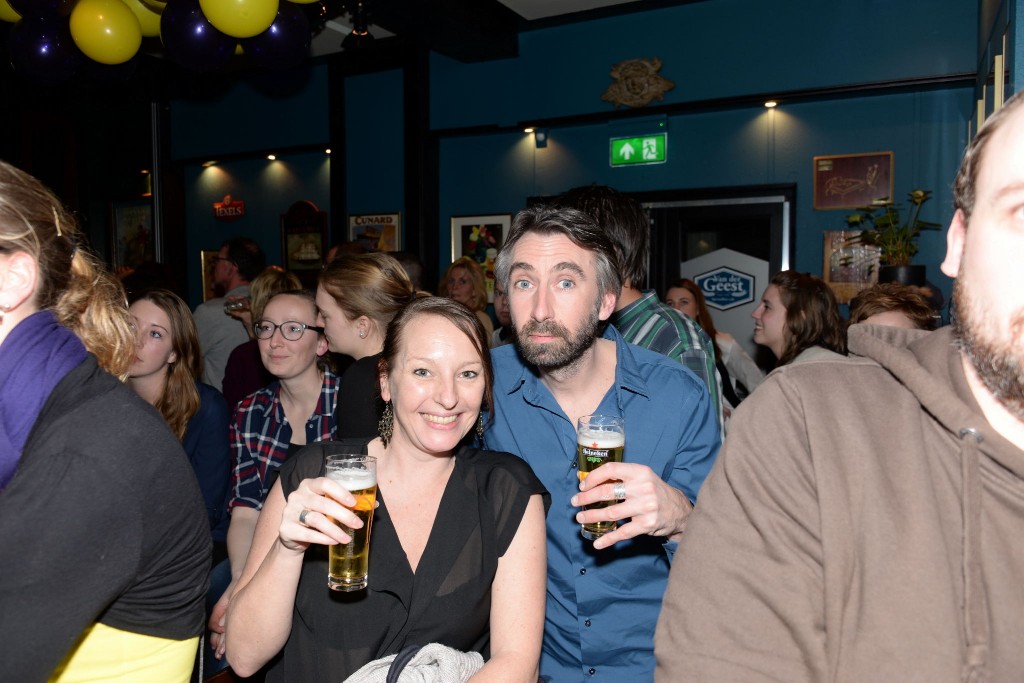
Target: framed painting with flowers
480, 238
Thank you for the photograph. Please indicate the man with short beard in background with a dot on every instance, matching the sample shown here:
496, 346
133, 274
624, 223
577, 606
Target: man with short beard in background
864, 519
561, 275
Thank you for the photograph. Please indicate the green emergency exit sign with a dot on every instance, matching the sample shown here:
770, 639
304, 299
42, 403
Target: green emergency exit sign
647, 149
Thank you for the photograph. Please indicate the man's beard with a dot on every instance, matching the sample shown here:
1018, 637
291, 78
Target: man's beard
557, 355
999, 362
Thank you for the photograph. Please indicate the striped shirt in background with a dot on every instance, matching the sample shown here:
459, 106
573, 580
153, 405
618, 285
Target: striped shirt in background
649, 323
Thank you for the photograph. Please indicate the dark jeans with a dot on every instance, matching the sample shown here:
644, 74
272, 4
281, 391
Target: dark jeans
220, 577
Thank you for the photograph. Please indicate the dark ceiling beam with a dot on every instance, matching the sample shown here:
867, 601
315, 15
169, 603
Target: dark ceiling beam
466, 30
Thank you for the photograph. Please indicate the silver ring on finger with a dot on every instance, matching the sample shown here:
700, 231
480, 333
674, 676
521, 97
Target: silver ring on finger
302, 516
619, 490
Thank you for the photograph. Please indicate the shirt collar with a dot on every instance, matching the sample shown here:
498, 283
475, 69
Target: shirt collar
627, 371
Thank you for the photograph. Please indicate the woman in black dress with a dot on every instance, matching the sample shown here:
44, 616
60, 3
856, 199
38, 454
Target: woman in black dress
457, 552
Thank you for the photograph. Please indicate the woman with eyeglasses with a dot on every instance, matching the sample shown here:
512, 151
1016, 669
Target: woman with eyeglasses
273, 423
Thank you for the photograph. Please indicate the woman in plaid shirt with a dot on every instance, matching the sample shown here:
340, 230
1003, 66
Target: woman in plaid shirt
262, 433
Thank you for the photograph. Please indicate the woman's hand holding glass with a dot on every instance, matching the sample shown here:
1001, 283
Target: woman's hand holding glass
309, 513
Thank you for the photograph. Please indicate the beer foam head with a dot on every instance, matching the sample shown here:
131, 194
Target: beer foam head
600, 438
353, 479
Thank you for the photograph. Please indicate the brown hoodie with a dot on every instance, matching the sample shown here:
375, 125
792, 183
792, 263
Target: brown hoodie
863, 523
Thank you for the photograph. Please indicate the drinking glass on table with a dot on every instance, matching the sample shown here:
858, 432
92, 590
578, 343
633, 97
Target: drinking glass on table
349, 562
599, 439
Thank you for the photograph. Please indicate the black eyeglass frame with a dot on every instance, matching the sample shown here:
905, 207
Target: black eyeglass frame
274, 328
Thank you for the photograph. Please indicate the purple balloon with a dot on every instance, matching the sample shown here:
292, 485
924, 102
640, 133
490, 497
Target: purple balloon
42, 9
44, 51
285, 43
191, 40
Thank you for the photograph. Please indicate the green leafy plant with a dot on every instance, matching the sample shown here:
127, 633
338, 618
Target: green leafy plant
881, 225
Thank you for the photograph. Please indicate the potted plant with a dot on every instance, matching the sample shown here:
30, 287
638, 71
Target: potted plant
882, 225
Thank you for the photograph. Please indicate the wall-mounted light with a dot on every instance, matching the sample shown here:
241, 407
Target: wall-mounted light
771, 104
540, 137
208, 164
271, 157
327, 151
528, 130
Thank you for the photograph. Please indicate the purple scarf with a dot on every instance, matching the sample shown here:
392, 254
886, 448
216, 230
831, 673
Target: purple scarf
34, 358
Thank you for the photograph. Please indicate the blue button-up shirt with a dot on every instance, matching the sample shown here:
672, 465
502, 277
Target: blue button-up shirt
602, 605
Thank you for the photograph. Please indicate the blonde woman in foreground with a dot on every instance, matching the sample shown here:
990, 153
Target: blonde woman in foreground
457, 550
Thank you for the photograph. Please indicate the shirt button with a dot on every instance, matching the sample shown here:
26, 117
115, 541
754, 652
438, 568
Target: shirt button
583, 570
587, 623
574, 464
592, 671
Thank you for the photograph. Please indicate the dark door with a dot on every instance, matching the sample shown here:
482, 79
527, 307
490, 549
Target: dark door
754, 221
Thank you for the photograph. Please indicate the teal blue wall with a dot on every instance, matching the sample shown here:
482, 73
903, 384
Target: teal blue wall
710, 50
926, 132
375, 155
268, 188
720, 49
260, 112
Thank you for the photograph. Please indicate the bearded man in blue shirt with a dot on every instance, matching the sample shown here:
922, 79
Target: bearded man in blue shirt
561, 275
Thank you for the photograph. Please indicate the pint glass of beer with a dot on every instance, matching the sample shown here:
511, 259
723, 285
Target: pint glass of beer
599, 439
349, 563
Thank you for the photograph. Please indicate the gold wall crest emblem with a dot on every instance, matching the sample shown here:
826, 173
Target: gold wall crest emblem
637, 83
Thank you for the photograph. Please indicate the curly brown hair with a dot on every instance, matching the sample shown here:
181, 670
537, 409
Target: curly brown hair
892, 296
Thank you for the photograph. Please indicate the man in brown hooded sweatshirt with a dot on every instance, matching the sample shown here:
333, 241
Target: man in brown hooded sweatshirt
865, 518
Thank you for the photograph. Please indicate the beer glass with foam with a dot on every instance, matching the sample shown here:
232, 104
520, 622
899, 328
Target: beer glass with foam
349, 562
599, 439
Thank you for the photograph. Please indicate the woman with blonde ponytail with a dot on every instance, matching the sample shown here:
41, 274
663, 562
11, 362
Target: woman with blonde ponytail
103, 542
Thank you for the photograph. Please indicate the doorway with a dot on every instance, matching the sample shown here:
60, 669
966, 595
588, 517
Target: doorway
757, 221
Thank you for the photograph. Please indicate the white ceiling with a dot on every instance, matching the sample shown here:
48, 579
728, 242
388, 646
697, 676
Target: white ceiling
542, 9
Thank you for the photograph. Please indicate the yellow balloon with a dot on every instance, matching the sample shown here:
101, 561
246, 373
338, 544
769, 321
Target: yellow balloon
303, 2
155, 5
240, 18
106, 31
7, 12
149, 19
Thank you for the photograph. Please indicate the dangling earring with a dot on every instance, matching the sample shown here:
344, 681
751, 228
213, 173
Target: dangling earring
480, 430
386, 426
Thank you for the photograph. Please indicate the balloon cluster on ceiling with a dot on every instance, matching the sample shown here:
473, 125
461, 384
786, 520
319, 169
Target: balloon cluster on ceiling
51, 40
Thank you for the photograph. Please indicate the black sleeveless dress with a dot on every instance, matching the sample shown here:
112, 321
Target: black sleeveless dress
447, 600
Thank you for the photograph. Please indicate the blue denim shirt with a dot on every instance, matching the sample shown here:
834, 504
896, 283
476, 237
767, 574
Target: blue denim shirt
602, 606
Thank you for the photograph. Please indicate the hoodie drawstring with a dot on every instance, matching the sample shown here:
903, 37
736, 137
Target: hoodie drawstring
976, 627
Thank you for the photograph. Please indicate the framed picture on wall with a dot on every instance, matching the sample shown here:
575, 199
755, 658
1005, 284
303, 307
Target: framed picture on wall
304, 240
208, 259
132, 236
376, 231
849, 266
848, 181
480, 238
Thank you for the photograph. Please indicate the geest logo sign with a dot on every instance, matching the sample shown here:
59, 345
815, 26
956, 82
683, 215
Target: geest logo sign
725, 288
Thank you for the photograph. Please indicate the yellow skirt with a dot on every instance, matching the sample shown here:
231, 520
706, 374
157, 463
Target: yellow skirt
114, 656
